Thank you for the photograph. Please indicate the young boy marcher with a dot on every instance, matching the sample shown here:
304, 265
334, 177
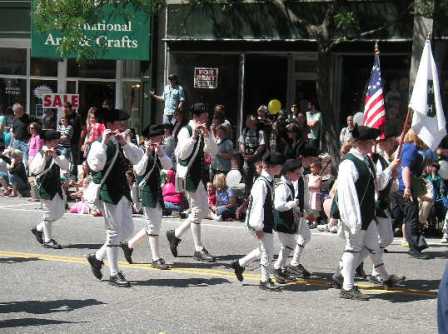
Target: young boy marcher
109, 160
46, 167
260, 221
194, 140
150, 193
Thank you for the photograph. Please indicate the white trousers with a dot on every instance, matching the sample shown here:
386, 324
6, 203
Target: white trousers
385, 237
119, 227
198, 202
265, 252
288, 243
303, 237
357, 247
53, 210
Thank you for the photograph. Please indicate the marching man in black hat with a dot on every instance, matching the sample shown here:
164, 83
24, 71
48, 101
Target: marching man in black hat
109, 160
356, 186
193, 141
150, 193
46, 166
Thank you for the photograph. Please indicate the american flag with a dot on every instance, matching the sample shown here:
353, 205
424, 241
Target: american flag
374, 110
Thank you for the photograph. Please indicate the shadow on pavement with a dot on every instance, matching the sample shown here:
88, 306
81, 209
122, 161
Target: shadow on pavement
182, 282
44, 307
199, 265
10, 260
83, 246
424, 285
400, 297
25, 322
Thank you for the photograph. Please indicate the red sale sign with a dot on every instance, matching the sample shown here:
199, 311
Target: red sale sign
58, 100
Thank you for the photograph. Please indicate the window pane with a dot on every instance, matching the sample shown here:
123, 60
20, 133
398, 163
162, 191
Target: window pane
71, 87
92, 69
39, 87
44, 67
132, 103
131, 69
12, 91
13, 61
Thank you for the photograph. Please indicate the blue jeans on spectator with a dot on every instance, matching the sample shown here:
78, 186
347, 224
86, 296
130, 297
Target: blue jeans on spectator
22, 147
22, 186
173, 207
225, 213
169, 119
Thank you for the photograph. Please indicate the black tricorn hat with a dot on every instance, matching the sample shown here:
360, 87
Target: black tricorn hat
273, 158
198, 108
362, 132
50, 134
390, 130
154, 130
115, 115
291, 165
309, 150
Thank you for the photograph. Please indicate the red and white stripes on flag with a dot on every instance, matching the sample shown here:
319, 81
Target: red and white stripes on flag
374, 109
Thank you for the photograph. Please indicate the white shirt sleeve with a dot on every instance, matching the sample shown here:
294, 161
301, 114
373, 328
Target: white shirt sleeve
261, 140
97, 157
281, 202
132, 152
256, 215
348, 202
165, 161
140, 167
382, 176
37, 165
185, 144
210, 145
62, 162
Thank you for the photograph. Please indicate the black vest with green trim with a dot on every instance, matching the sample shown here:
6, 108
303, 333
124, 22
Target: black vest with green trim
383, 201
284, 221
49, 184
196, 173
116, 184
365, 189
151, 192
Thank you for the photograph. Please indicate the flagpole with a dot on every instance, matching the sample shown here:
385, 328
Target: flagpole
407, 121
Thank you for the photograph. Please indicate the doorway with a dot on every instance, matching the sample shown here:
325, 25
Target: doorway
93, 93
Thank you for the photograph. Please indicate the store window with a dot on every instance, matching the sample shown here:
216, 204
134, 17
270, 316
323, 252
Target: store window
38, 89
104, 69
132, 102
12, 91
44, 67
12, 61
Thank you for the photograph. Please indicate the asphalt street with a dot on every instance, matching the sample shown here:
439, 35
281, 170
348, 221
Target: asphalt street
53, 291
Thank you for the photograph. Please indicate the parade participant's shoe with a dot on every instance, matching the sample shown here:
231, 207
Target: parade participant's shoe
360, 273
95, 265
269, 285
281, 277
354, 294
127, 252
173, 241
119, 280
375, 279
52, 244
385, 250
38, 235
393, 280
204, 256
160, 264
418, 255
183, 215
299, 271
336, 280
238, 269
444, 241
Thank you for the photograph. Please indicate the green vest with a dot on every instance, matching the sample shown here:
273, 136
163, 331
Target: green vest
49, 184
151, 192
284, 220
365, 189
116, 185
196, 172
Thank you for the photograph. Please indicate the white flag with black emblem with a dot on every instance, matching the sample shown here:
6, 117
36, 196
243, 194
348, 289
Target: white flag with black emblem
428, 120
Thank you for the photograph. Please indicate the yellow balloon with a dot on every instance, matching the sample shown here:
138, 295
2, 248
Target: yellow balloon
274, 106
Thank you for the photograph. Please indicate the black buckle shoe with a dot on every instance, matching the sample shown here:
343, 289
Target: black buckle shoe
337, 280
127, 252
95, 265
238, 269
173, 241
204, 256
281, 277
38, 235
52, 244
393, 280
269, 285
353, 294
160, 264
375, 279
299, 271
418, 255
359, 272
119, 280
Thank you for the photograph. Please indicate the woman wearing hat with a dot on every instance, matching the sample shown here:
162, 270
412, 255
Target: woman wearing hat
112, 156
46, 167
150, 193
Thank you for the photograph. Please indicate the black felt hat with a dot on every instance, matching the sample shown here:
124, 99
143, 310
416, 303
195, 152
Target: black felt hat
273, 158
365, 133
198, 108
154, 130
390, 130
291, 165
115, 115
50, 134
309, 150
